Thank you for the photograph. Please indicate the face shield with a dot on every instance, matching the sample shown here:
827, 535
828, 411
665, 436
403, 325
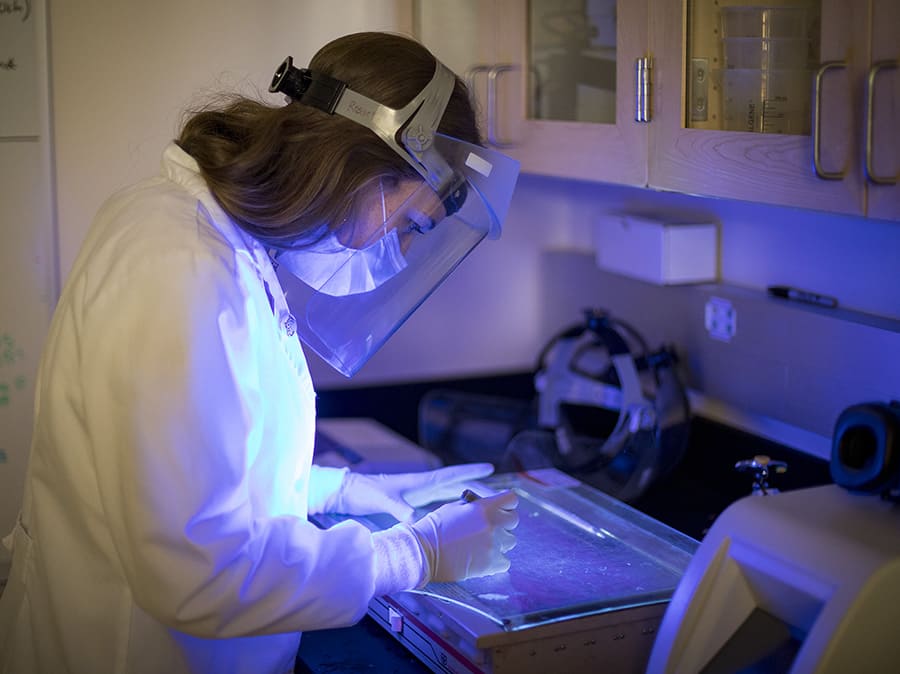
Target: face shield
353, 284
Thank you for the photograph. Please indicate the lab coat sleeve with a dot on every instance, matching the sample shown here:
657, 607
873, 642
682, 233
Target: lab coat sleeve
173, 405
324, 482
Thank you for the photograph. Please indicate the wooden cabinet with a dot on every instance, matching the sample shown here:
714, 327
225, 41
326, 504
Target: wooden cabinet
613, 150
824, 169
764, 167
882, 123
487, 41
845, 160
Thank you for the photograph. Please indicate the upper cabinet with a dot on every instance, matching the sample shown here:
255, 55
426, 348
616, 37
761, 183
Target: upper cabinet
770, 104
794, 103
553, 79
882, 121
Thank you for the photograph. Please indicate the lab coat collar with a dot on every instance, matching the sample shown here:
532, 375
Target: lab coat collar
182, 169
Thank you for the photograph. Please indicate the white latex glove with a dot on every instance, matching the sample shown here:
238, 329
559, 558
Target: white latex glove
399, 494
464, 540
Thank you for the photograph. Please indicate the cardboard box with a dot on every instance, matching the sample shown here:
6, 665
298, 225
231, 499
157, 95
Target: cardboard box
657, 252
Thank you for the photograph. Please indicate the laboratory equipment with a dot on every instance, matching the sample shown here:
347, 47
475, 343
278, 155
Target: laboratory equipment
766, 83
609, 410
800, 581
765, 100
865, 454
589, 581
599, 368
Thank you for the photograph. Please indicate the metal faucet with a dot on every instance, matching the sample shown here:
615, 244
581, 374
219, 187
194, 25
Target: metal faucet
761, 466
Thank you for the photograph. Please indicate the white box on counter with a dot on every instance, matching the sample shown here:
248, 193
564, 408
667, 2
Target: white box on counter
659, 252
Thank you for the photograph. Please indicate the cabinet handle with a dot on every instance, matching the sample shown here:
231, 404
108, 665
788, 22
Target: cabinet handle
870, 130
817, 123
493, 74
642, 67
470, 75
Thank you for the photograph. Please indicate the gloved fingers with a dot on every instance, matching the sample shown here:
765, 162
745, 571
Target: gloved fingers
500, 509
498, 563
505, 500
462, 472
431, 494
402, 511
504, 519
363, 494
504, 539
502, 566
442, 484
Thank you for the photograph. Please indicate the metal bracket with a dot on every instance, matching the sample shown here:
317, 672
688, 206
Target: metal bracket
642, 82
699, 99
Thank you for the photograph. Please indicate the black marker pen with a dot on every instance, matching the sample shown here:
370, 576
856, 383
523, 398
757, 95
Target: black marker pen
797, 295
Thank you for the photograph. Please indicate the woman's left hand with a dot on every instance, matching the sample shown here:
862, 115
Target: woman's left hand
399, 494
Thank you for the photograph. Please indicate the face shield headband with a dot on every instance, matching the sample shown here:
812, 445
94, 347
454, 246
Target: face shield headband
409, 131
352, 284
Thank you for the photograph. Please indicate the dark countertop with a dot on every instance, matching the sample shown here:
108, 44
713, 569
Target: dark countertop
365, 647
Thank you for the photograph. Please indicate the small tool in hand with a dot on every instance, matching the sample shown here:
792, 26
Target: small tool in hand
468, 496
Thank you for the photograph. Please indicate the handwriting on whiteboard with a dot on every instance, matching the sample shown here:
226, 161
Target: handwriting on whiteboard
10, 352
16, 7
11, 382
19, 75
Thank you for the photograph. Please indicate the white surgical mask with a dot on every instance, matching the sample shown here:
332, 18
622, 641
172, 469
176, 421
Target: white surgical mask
330, 267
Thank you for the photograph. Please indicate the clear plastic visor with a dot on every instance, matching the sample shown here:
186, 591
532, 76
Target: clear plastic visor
353, 285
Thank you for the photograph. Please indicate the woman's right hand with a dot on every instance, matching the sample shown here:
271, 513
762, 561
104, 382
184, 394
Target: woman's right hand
468, 539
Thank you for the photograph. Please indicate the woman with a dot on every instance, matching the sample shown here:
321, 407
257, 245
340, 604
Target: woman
164, 526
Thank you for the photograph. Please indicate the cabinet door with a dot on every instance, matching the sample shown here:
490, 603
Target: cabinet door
553, 79
463, 35
883, 112
692, 149
573, 113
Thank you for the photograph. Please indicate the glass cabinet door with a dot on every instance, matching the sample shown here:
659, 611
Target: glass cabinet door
553, 79
576, 115
750, 67
759, 101
572, 60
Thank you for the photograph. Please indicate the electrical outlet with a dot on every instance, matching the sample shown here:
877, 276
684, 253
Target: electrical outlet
720, 319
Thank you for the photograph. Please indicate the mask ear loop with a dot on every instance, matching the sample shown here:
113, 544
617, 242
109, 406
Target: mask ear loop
384, 217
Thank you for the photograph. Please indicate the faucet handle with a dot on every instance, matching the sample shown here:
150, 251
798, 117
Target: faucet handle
762, 467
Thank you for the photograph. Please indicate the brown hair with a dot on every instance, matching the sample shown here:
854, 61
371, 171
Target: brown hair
281, 171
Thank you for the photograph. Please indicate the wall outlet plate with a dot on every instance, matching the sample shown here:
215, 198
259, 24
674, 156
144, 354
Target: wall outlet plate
720, 319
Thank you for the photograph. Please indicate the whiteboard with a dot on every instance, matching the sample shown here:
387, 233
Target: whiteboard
19, 80
28, 257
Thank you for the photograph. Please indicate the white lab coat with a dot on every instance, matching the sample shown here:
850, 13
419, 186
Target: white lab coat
164, 527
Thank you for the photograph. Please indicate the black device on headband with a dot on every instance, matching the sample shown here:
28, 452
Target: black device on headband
305, 86
324, 92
